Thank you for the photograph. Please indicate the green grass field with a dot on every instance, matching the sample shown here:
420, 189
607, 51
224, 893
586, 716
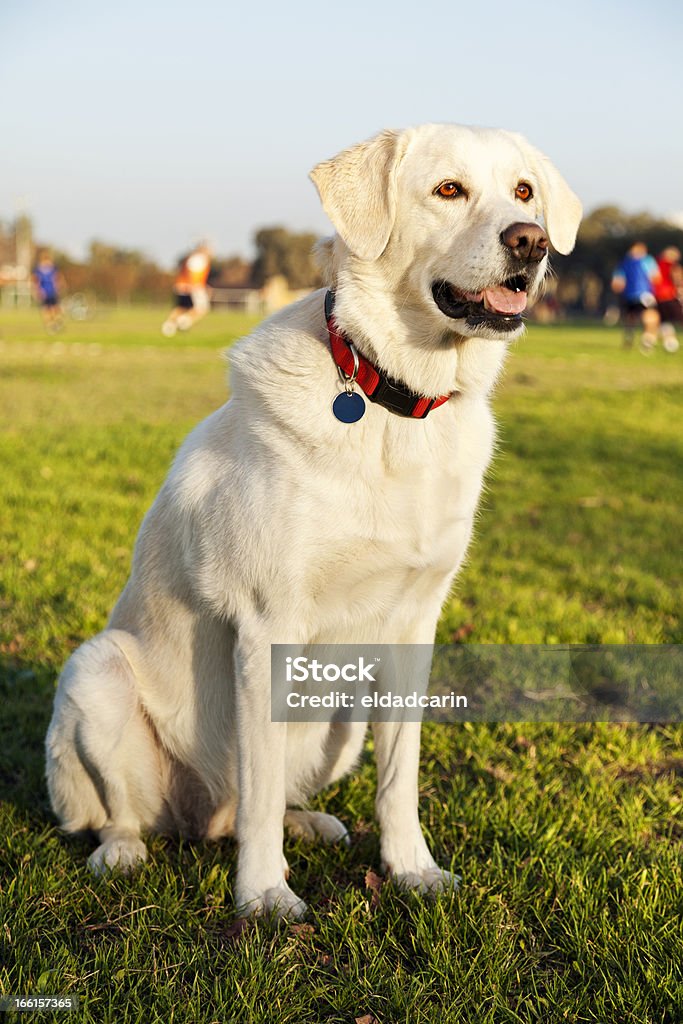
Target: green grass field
568, 838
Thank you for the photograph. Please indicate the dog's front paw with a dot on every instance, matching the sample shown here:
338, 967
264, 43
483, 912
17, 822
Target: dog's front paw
430, 881
120, 853
278, 900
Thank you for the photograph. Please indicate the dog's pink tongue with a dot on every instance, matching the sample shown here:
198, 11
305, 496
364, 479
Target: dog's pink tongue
504, 300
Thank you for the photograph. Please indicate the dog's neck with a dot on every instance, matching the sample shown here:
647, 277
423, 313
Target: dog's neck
395, 335
386, 391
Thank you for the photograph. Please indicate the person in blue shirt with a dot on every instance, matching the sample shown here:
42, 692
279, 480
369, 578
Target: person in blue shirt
634, 282
47, 282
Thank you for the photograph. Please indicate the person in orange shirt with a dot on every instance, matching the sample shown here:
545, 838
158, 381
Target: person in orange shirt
191, 293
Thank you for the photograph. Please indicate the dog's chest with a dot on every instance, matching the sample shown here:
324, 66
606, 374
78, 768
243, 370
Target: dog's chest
416, 514
395, 528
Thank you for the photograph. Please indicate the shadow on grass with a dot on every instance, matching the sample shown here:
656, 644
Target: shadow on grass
26, 695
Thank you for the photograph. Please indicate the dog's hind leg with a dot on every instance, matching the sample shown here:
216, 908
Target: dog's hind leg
339, 755
316, 825
103, 765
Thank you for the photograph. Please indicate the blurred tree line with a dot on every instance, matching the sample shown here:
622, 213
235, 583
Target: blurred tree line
278, 251
116, 274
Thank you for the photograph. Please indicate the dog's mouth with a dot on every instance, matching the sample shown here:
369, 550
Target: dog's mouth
499, 306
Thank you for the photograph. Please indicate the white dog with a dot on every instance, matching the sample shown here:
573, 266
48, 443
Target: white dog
282, 523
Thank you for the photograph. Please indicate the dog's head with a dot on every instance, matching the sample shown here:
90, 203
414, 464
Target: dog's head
457, 220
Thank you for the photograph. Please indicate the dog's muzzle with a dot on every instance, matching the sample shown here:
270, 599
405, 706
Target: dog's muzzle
527, 242
499, 306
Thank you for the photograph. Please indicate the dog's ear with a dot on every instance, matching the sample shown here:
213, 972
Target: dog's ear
562, 209
358, 191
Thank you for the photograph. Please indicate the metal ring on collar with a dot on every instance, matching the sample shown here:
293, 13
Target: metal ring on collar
347, 381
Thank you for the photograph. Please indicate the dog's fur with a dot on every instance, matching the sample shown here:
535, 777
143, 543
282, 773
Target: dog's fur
277, 523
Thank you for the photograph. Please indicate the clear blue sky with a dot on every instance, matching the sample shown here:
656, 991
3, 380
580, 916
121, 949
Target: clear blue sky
153, 124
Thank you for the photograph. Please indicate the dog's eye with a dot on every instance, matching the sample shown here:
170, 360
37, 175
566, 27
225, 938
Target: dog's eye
524, 192
450, 190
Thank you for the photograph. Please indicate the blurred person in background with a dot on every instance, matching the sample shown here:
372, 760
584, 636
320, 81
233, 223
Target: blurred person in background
634, 282
191, 293
667, 292
47, 284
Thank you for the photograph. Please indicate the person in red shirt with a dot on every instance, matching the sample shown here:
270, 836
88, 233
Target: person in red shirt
667, 292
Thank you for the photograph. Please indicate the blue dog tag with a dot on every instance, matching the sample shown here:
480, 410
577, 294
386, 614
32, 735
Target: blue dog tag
348, 407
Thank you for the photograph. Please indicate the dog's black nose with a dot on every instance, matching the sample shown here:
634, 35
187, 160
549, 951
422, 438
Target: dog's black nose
526, 241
